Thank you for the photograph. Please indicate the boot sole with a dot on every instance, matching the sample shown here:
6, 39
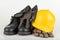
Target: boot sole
24, 33
10, 33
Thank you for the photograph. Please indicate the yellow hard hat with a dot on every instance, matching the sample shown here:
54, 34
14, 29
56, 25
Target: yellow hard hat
44, 21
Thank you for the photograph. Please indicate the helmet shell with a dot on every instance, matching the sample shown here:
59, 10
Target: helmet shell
44, 21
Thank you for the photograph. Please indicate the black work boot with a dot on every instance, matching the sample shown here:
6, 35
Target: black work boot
25, 27
12, 28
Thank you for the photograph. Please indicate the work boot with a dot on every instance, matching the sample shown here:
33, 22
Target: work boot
25, 27
12, 28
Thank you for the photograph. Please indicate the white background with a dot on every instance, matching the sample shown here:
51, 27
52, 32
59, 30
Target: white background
9, 7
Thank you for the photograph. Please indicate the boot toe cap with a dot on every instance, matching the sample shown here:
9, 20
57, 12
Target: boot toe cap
20, 30
8, 29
